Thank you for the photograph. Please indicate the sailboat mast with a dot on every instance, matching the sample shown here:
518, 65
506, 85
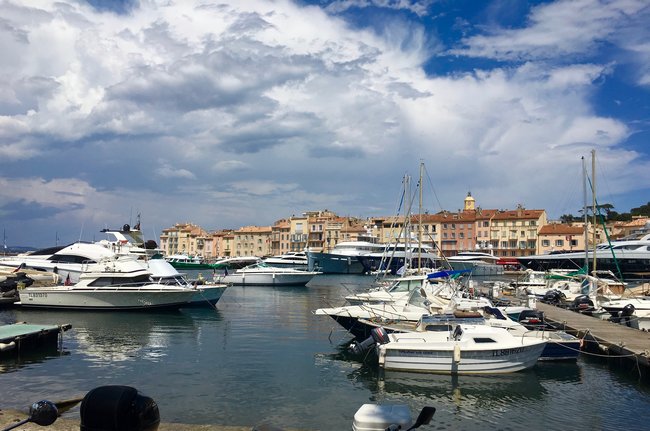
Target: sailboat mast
593, 200
584, 210
420, 220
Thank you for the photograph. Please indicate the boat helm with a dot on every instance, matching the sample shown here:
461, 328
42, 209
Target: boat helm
123, 408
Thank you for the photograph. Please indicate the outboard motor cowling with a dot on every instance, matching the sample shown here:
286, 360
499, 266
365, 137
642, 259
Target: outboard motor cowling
626, 314
582, 303
377, 336
553, 297
118, 408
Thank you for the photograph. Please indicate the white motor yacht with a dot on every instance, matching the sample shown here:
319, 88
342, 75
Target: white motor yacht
114, 283
262, 274
480, 263
292, 259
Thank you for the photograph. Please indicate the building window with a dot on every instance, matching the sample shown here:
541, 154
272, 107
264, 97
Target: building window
559, 243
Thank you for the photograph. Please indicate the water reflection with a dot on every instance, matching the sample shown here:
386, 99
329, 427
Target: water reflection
108, 339
15, 362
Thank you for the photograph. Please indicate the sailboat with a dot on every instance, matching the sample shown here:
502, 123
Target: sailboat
406, 253
628, 258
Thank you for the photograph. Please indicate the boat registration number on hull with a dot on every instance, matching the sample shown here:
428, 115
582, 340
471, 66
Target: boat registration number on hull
508, 352
36, 295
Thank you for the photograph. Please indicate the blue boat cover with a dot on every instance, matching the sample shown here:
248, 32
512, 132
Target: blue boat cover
449, 273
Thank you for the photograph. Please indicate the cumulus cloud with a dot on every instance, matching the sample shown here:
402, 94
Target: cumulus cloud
165, 169
247, 112
418, 7
557, 29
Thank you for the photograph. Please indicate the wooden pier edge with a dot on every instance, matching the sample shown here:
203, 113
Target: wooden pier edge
609, 338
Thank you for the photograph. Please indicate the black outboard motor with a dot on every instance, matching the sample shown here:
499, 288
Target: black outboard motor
626, 314
553, 297
582, 304
377, 336
118, 408
532, 319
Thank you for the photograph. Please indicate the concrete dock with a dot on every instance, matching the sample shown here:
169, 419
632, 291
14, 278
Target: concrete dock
8, 417
602, 336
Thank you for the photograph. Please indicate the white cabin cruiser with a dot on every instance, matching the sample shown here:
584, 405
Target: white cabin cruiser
264, 275
115, 283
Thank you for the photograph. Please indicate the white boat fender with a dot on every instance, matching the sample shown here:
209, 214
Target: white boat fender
5, 347
457, 354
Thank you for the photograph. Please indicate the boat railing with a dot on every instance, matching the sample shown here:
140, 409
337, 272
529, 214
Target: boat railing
138, 286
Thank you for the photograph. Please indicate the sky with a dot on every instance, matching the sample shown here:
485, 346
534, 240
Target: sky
233, 113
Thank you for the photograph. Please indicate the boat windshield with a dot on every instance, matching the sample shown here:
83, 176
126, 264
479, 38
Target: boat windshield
405, 285
139, 280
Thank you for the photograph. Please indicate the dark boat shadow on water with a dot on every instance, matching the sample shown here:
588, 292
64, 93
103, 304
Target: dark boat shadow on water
17, 361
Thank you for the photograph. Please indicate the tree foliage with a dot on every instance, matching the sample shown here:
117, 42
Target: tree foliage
607, 210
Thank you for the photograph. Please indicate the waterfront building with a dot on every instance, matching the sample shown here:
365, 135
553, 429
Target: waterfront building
252, 241
280, 236
221, 244
184, 238
298, 233
504, 233
559, 236
514, 233
621, 229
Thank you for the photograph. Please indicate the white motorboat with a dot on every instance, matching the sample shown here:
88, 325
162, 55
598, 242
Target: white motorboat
459, 349
359, 320
115, 283
395, 290
292, 259
480, 263
265, 275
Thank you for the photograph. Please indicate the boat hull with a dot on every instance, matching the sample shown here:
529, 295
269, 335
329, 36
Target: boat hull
269, 279
207, 295
439, 359
104, 299
329, 263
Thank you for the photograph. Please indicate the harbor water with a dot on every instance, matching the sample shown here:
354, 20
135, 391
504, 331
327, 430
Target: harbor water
262, 356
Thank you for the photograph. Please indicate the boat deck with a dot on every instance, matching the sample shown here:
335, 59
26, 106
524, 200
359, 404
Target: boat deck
610, 338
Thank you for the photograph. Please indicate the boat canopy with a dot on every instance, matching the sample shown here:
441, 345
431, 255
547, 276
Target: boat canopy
450, 273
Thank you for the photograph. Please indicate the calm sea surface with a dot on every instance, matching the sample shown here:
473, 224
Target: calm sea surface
262, 356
